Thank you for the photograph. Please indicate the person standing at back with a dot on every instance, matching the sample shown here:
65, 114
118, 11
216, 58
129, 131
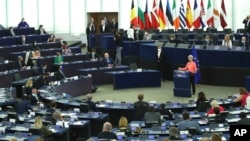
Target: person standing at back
23, 24
246, 22
140, 107
119, 45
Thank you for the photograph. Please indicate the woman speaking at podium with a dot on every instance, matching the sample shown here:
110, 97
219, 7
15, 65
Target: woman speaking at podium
192, 69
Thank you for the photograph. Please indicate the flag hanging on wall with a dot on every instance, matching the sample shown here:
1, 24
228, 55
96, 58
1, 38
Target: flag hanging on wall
133, 17
147, 17
223, 15
209, 14
196, 60
168, 13
196, 15
154, 17
141, 19
216, 15
161, 16
182, 16
202, 15
189, 17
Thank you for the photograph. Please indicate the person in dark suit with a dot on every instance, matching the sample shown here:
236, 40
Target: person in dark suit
93, 56
52, 108
140, 107
246, 22
163, 111
90, 30
243, 119
201, 98
11, 32
24, 105
106, 133
107, 23
59, 75
114, 26
42, 80
218, 118
162, 62
23, 24
119, 46
43, 69
20, 65
91, 104
35, 97
103, 27
244, 43
22, 40
107, 61
207, 40
41, 30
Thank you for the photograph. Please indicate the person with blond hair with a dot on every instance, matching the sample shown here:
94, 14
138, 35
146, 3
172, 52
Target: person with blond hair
123, 126
214, 104
28, 86
38, 124
216, 137
227, 41
106, 133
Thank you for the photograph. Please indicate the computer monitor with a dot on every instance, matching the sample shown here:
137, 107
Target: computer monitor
227, 30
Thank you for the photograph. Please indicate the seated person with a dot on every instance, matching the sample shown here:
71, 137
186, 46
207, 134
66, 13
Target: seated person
244, 43
28, 86
173, 134
164, 111
152, 116
41, 30
22, 40
36, 53
52, 108
107, 61
106, 133
42, 80
123, 126
56, 116
11, 32
38, 124
58, 59
214, 104
147, 36
215, 137
65, 49
51, 39
20, 65
93, 56
243, 119
207, 40
91, 104
243, 96
201, 98
218, 118
23, 24
210, 28
59, 75
172, 39
188, 123
35, 98
227, 41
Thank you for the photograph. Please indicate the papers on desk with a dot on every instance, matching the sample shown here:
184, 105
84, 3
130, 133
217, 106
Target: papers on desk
233, 120
102, 105
223, 138
238, 112
203, 122
53, 130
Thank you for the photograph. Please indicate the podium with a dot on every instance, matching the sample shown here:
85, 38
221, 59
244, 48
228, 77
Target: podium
181, 84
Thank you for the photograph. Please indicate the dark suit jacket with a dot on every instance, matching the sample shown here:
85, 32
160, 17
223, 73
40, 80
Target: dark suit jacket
107, 135
23, 106
105, 63
114, 27
40, 82
90, 30
246, 45
59, 76
140, 108
96, 56
51, 120
244, 121
106, 30
39, 32
19, 65
247, 26
207, 42
33, 99
92, 105
28, 90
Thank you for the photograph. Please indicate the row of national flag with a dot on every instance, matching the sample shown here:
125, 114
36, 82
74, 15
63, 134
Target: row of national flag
179, 14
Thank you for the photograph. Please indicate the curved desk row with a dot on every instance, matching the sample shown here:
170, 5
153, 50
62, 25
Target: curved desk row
6, 50
18, 31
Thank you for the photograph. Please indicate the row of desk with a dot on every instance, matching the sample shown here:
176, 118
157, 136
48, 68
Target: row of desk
8, 41
18, 31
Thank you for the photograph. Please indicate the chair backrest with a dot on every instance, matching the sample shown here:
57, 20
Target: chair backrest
17, 77
203, 106
133, 66
84, 107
